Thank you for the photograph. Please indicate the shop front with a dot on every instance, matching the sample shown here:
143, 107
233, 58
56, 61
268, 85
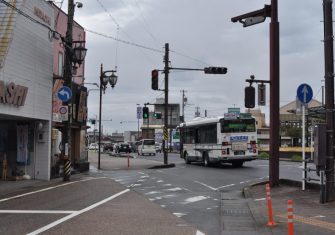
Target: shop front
26, 66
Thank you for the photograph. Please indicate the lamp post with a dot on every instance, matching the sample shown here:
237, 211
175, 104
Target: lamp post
105, 78
72, 56
250, 19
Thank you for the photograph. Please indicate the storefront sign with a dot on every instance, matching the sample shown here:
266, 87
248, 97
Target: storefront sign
12, 94
40, 14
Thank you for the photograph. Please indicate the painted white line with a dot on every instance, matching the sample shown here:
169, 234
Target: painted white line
178, 214
57, 222
153, 192
35, 212
225, 186
207, 186
46, 189
194, 199
173, 189
199, 233
260, 199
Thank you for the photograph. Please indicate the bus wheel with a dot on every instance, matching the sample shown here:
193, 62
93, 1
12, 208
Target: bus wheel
205, 159
187, 160
237, 164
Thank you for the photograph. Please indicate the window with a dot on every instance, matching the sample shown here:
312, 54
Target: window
60, 64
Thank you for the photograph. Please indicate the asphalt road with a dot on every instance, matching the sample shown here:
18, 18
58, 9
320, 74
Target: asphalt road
199, 195
196, 193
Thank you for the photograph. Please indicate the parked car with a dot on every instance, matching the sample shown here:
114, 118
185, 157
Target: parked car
146, 146
93, 146
123, 148
108, 147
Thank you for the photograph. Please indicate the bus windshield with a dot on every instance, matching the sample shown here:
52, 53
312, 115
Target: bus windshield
238, 125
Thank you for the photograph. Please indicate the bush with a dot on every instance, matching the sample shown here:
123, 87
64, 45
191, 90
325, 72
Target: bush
297, 157
263, 155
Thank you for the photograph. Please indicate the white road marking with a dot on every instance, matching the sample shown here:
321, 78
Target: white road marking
225, 186
260, 199
203, 184
173, 189
166, 184
35, 212
199, 233
319, 216
46, 189
153, 192
163, 206
178, 214
159, 181
53, 224
194, 199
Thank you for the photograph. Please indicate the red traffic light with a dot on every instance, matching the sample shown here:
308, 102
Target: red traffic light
154, 79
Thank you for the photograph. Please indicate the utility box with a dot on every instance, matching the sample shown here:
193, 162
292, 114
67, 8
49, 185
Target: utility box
320, 145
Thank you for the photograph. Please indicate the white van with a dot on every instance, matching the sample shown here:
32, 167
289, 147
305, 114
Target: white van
146, 146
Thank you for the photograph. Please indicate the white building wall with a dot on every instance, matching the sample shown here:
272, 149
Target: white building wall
29, 62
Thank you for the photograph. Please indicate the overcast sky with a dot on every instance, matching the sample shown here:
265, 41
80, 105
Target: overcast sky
200, 33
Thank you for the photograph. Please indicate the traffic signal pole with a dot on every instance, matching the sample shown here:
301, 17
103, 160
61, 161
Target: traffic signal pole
166, 101
154, 86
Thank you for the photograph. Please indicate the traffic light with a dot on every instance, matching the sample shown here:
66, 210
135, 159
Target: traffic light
154, 79
249, 97
215, 70
261, 94
92, 121
157, 115
145, 112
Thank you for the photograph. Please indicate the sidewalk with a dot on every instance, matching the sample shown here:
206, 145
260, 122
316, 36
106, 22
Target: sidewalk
310, 217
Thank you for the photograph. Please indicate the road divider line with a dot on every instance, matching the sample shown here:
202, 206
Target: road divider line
46, 189
225, 186
57, 222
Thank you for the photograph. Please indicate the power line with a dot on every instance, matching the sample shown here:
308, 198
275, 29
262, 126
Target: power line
124, 41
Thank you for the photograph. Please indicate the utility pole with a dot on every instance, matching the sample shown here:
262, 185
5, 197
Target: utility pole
68, 82
197, 112
183, 102
329, 100
166, 101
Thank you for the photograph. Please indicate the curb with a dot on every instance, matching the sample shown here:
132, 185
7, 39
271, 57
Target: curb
261, 220
163, 166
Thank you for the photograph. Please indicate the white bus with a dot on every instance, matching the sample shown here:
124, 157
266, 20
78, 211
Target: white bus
230, 139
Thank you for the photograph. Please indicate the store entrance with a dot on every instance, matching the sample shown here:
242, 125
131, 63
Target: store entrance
17, 150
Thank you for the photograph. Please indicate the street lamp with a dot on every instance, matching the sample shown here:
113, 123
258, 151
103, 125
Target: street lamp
105, 78
249, 19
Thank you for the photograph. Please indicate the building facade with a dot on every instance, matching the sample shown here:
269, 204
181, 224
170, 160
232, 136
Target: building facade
26, 65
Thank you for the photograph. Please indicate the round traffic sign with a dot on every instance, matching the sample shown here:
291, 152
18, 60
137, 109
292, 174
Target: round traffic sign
304, 93
63, 110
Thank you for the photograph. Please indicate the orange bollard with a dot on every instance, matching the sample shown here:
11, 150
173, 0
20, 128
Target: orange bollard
290, 227
270, 222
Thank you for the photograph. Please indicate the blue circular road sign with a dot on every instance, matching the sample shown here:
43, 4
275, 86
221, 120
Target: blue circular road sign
304, 93
64, 93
